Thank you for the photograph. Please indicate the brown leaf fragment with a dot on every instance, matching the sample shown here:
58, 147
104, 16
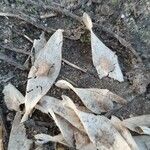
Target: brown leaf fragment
44, 72
96, 100
18, 139
12, 97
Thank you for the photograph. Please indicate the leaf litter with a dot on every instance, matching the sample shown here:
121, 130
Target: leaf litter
83, 128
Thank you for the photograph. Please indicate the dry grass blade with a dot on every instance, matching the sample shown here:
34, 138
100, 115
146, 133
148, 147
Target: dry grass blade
96, 100
18, 139
1, 138
44, 72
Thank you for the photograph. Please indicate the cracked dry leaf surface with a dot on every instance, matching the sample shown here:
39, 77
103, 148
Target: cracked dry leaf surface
44, 72
104, 60
96, 100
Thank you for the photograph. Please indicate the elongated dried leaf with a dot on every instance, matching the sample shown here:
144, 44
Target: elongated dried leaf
12, 97
1, 138
18, 139
143, 142
44, 138
50, 103
44, 72
138, 124
124, 132
104, 60
96, 100
70, 133
100, 130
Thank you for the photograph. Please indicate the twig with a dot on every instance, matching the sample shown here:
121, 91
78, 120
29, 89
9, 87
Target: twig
74, 66
15, 49
11, 61
48, 15
29, 39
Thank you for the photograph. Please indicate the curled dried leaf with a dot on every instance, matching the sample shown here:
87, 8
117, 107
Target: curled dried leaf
138, 124
44, 138
96, 100
44, 72
104, 60
100, 130
12, 97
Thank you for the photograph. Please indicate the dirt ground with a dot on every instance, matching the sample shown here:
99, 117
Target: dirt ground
114, 20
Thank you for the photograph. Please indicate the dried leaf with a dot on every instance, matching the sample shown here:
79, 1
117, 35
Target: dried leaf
44, 72
12, 97
138, 124
1, 138
18, 139
70, 133
96, 100
124, 132
143, 142
100, 130
50, 103
44, 138
104, 60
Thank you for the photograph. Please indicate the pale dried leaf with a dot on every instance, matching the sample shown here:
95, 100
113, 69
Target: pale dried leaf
18, 139
124, 132
44, 72
100, 130
104, 60
44, 138
70, 133
138, 124
96, 100
12, 97
143, 142
58, 107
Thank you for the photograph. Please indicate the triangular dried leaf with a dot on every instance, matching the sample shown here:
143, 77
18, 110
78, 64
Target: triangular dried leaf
44, 72
18, 139
104, 60
44, 138
138, 124
143, 142
50, 103
12, 97
100, 130
124, 132
96, 100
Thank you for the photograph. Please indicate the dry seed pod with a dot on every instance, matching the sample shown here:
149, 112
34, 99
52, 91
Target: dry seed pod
138, 124
44, 72
12, 97
96, 100
100, 130
124, 132
50, 103
104, 60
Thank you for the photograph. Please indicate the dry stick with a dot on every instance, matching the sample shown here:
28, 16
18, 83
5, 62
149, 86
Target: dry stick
11, 61
15, 49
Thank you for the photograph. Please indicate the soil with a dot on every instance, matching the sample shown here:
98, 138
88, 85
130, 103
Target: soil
127, 18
